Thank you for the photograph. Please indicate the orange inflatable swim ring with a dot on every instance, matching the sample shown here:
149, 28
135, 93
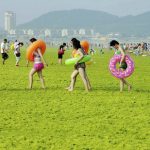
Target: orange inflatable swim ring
33, 47
85, 45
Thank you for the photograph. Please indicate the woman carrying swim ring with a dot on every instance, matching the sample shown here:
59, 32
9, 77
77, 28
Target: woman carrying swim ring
79, 68
123, 65
38, 66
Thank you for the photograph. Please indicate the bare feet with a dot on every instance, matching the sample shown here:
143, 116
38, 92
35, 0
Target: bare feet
67, 88
70, 89
129, 88
90, 88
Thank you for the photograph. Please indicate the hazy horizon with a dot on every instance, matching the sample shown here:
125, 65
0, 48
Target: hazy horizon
26, 11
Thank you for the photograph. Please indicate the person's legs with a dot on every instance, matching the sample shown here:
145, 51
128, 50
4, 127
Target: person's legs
60, 61
32, 72
88, 81
41, 78
4, 57
17, 61
84, 78
129, 86
124, 82
121, 85
73, 80
3, 61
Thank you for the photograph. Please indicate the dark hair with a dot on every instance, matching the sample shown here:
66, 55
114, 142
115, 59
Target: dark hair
20, 43
64, 44
5, 40
33, 40
73, 39
61, 46
114, 42
76, 44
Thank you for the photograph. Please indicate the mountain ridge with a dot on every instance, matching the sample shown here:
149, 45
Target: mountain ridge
100, 21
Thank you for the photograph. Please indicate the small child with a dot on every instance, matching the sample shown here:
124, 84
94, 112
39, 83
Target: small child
123, 65
38, 66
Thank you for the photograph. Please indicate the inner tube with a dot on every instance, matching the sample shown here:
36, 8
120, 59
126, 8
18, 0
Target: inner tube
72, 61
33, 47
118, 73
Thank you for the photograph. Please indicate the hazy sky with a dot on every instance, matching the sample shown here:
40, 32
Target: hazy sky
28, 9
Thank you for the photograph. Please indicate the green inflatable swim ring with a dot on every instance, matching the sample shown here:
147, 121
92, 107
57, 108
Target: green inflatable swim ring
72, 61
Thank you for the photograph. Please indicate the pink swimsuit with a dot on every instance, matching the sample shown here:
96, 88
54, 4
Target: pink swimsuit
38, 65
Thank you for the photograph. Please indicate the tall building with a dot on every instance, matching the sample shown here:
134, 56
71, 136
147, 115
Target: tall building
10, 21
